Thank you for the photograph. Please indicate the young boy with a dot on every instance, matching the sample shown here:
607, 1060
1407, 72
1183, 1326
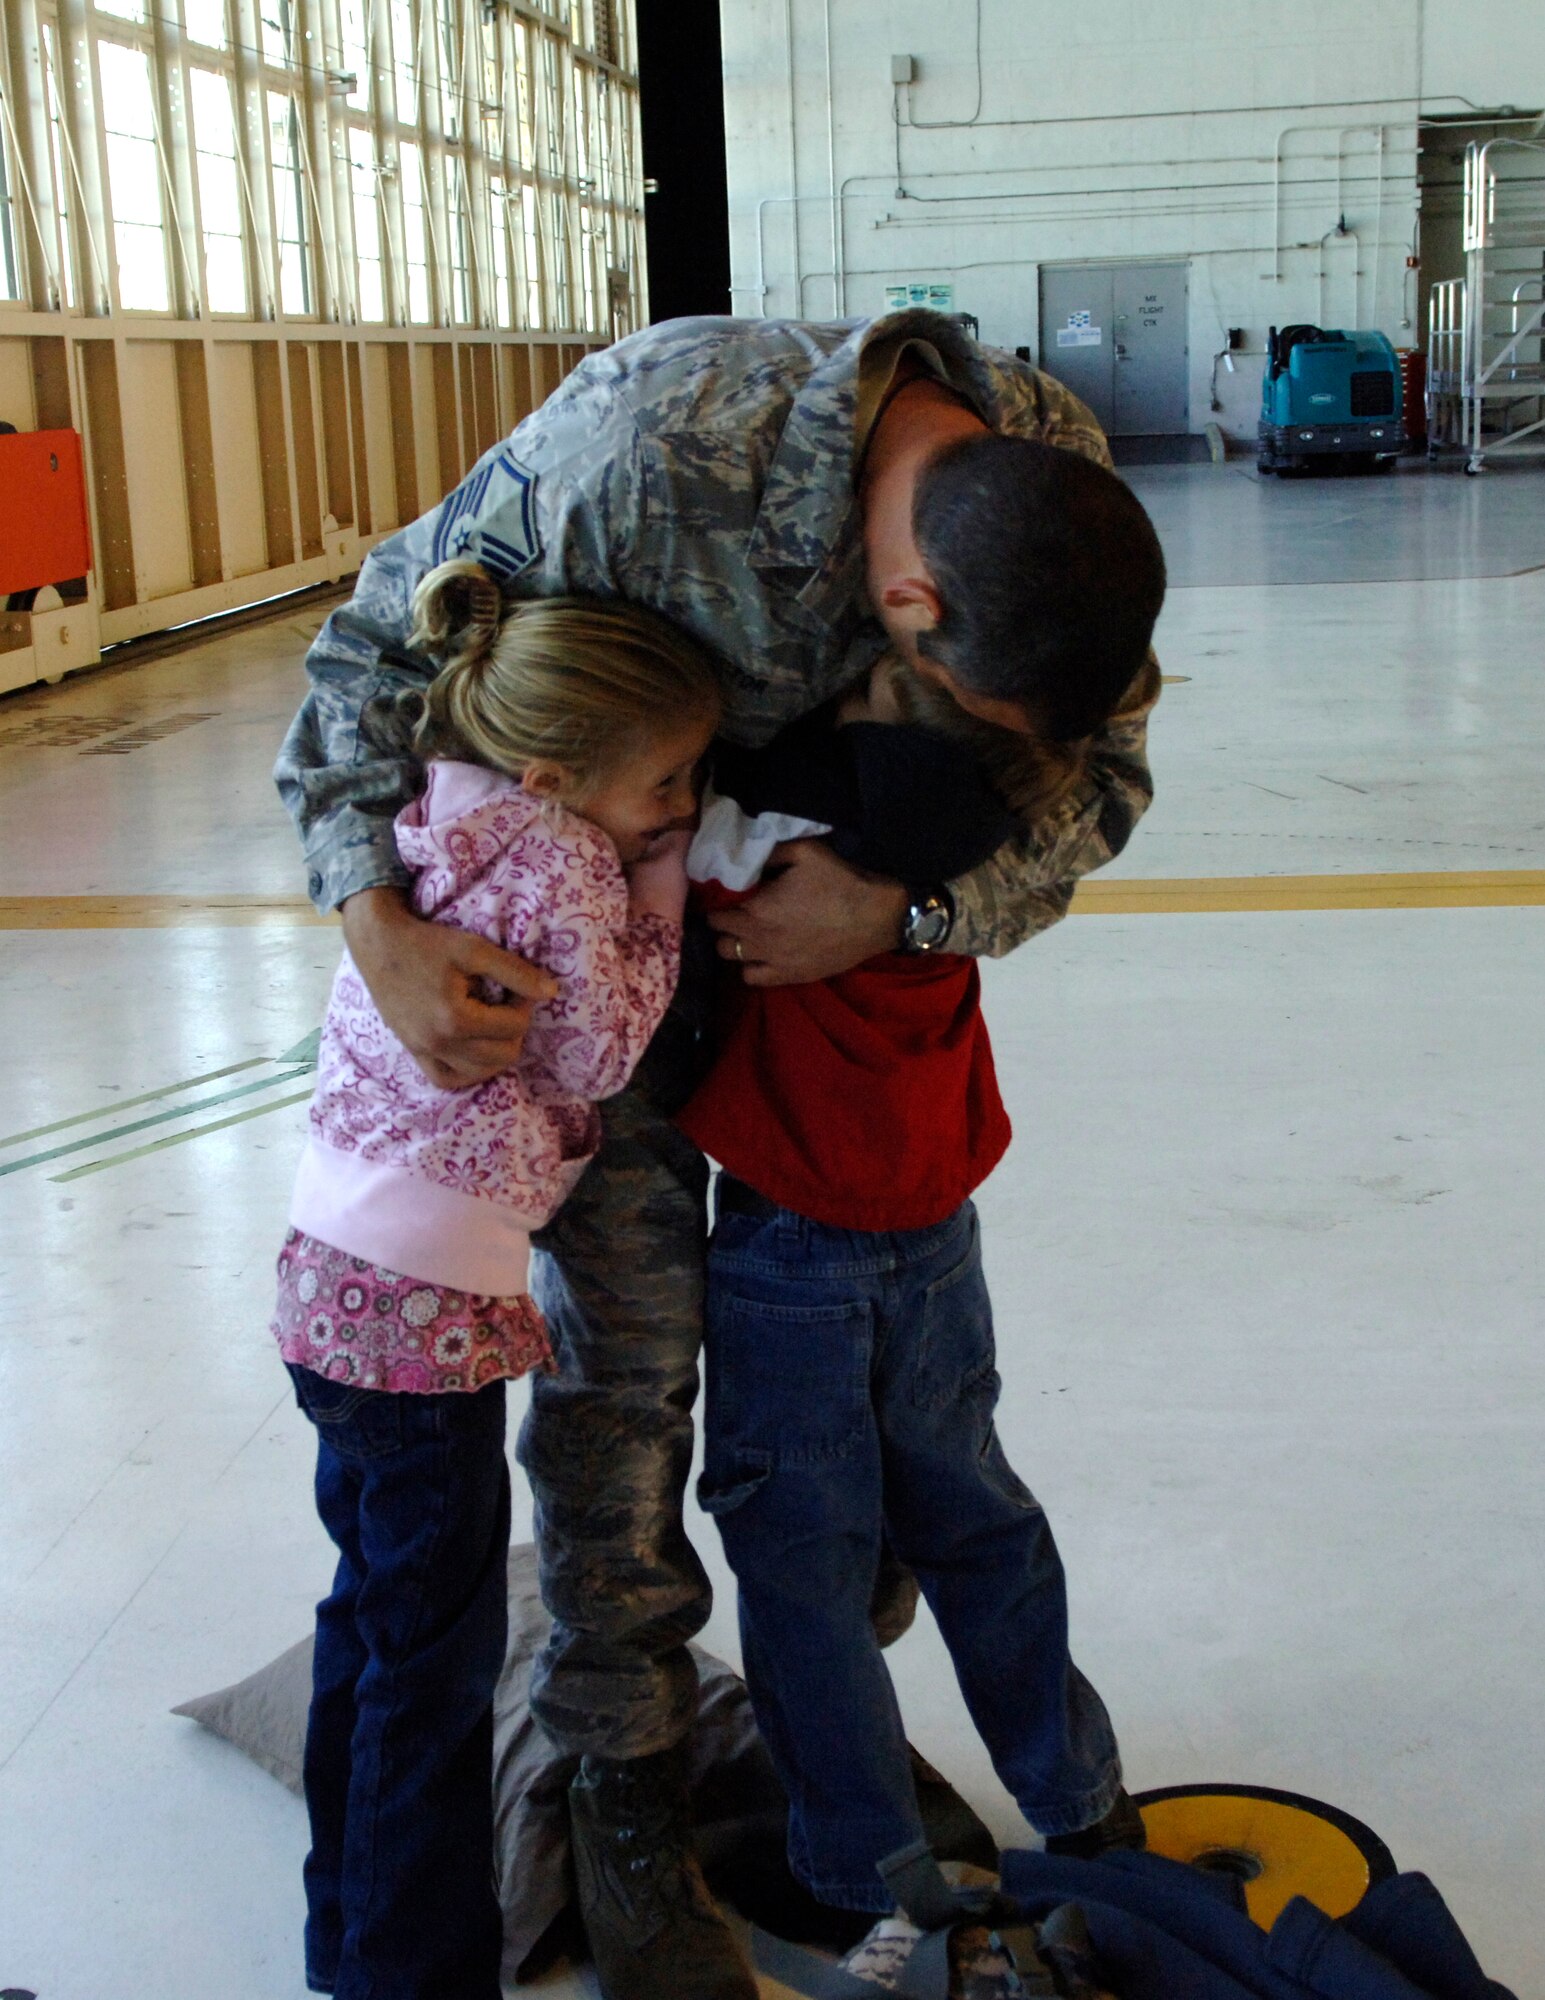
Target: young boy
849, 1358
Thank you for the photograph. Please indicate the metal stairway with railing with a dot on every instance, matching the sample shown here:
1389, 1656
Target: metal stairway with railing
1486, 330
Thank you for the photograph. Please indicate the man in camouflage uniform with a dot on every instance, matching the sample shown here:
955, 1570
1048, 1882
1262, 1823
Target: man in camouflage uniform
710, 470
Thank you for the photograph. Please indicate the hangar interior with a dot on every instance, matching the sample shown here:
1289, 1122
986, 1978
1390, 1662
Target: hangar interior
1265, 1254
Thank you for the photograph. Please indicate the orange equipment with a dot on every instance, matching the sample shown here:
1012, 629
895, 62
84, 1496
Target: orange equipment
44, 534
1413, 387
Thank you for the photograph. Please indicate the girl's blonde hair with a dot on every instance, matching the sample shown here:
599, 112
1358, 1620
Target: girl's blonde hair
580, 683
1033, 775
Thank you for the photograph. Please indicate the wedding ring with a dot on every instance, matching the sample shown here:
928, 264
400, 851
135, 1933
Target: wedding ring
740, 951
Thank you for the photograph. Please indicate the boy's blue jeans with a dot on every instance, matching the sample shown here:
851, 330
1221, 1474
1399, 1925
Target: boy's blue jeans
850, 1392
415, 1492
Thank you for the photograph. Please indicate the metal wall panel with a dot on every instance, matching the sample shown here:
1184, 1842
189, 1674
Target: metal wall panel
153, 462
237, 460
18, 403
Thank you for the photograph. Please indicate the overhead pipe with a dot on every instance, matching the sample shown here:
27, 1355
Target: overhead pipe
1344, 132
854, 181
1493, 115
1341, 230
794, 194
831, 158
1342, 180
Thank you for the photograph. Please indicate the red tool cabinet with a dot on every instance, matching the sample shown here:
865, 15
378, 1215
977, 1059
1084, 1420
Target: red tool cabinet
44, 534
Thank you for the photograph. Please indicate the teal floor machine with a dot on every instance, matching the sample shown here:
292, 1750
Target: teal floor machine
1330, 399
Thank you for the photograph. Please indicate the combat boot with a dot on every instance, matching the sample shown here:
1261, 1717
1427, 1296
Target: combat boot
655, 1932
1122, 1827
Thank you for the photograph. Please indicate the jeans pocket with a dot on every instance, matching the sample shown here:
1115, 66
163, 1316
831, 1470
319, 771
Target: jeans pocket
788, 1383
357, 1423
955, 1350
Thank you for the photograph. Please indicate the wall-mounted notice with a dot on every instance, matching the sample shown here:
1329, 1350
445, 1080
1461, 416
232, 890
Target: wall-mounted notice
1080, 331
935, 297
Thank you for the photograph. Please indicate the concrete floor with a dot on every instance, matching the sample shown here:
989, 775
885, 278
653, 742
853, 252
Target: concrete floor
1266, 1252
1415, 523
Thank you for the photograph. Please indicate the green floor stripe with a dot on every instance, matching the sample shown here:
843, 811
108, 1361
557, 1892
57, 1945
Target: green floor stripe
305, 1050
146, 1097
144, 1124
180, 1138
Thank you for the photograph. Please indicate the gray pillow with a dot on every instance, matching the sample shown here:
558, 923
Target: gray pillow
739, 1810
264, 1715
736, 1794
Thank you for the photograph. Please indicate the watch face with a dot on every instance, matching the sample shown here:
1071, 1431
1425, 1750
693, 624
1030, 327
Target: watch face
929, 927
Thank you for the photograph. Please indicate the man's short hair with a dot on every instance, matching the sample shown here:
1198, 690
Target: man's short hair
1050, 577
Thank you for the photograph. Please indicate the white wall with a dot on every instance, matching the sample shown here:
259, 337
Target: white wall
1230, 136
1490, 51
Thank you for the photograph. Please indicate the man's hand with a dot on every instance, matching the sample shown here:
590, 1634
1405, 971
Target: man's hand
424, 979
814, 917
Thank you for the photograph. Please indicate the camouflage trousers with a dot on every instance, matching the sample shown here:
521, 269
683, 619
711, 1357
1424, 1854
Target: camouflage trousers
607, 1441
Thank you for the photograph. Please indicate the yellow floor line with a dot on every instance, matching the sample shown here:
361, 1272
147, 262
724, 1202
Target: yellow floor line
150, 913
1163, 896
1508, 887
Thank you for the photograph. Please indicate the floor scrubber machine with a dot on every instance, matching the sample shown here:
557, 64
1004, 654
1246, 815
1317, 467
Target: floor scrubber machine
1330, 398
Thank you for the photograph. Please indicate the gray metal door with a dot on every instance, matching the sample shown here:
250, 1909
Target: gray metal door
1116, 335
1151, 350
1076, 334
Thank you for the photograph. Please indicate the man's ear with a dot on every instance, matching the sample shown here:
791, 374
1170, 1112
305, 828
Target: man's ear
918, 601
545, 780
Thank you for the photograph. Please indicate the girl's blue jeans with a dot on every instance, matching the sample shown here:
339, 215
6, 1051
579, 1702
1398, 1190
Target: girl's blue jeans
415, 1493
851, 1385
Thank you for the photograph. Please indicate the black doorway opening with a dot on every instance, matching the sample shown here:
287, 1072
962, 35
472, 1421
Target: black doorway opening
681, 108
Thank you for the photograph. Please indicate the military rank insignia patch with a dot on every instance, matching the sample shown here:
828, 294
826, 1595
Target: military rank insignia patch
491, 517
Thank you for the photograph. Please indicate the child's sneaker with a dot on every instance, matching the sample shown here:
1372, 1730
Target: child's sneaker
980, 1968
881, 1957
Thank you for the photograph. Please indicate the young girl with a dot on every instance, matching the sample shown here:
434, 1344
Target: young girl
563, 740
850, 1368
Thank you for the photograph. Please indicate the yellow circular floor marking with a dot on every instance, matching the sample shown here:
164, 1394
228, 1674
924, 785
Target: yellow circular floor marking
1279, 1850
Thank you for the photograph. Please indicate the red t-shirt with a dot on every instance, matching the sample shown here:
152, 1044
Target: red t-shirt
868, 1101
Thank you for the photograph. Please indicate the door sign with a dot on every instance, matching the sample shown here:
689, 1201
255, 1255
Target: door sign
1080, 331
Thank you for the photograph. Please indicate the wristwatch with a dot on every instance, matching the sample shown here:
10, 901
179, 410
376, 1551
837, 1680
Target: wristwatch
930, 919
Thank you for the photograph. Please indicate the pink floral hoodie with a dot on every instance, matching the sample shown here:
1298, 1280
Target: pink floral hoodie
446, 1185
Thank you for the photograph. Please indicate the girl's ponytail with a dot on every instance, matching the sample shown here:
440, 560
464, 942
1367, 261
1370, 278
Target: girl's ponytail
456, 611
576, 683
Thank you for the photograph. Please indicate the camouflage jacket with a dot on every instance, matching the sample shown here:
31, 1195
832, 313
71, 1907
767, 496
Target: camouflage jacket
703, 468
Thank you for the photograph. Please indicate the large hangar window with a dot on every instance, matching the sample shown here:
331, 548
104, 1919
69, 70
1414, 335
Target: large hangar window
291, 267
437, 163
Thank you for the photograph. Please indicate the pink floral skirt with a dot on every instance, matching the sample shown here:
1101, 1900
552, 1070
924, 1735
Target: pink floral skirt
353, 1322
